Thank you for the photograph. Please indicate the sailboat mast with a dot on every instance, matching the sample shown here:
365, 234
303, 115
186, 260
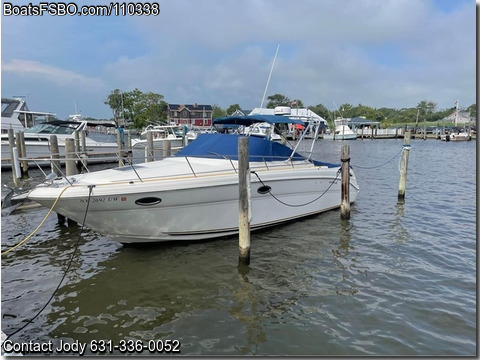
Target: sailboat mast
269, 76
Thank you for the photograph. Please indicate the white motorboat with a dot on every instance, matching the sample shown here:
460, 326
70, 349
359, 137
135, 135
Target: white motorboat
263, 130
16, 116
37, 142
457, 136
160, 133
342, 131
194, 194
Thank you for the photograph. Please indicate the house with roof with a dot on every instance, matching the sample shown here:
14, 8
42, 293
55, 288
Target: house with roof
190, 115
460, 117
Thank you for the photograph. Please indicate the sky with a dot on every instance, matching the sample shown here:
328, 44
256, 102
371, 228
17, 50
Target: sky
379, 53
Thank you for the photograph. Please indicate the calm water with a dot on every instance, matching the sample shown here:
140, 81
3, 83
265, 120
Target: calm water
393, 280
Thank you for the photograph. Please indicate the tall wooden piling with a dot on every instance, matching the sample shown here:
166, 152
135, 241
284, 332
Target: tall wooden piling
11, 142
22, 153
244, 206
345, 173
149, 148
70, 168
167, 148
54, 155
83, 154
120, 148
403, 167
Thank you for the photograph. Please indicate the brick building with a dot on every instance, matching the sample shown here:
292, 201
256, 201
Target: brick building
190, 115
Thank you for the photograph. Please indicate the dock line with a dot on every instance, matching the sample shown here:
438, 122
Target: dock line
69, 263
39, 226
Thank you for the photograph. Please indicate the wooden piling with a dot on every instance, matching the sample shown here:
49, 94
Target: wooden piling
345, 193
120, 148
70, 168
403, 167
22, 153
167, 148
11, 142
83, 154
244, 202
55, 155
149, 148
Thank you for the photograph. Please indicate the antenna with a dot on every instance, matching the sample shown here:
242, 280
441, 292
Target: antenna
269, 76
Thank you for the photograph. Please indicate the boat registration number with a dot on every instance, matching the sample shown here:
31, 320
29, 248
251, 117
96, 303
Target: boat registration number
104, 199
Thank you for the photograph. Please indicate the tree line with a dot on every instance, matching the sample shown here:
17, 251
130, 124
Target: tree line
138, 109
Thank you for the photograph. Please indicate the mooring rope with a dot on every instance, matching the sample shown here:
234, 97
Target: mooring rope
39, 226
299, 205
378, 166
66, 270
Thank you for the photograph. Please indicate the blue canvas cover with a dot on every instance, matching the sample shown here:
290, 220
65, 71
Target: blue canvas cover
226, 145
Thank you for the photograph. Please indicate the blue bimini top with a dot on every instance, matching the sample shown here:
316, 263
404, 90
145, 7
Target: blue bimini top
226, 145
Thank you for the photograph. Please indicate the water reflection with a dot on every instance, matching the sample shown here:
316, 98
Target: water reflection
398, 231
245, 308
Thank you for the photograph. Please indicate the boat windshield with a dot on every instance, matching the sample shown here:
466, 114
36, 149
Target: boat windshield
47, 128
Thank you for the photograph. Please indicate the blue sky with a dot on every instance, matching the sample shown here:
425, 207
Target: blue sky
380, 53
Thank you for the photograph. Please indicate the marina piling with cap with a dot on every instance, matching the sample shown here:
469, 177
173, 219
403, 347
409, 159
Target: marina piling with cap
244, 203
403, 167
345, 173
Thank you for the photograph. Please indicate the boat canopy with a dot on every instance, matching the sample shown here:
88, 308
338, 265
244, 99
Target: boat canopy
248, 120
226, 146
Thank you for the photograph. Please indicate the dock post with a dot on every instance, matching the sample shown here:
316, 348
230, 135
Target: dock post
120, 148
129, 147
70, 168
83, 155
345, 170
167, 148
55, 165
55, 156
244, 203
403, 167
16, 166
11, 142
22, 153
149, 148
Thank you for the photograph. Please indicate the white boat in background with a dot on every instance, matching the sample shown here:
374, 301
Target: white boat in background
342, 131
457, 136
193, 195
263, 130
16, 116
37, 142
174, 133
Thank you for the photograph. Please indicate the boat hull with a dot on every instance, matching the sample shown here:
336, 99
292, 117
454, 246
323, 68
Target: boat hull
195, 207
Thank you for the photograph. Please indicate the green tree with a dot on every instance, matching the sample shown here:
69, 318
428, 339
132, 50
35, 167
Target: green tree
232, 108
278, 100
137, 107
321, 110
115, 102
218, 112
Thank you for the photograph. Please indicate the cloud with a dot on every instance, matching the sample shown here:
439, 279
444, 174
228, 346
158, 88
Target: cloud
375, 52
61, 77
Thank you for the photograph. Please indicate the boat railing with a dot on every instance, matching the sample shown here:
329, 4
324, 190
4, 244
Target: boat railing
256, 162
